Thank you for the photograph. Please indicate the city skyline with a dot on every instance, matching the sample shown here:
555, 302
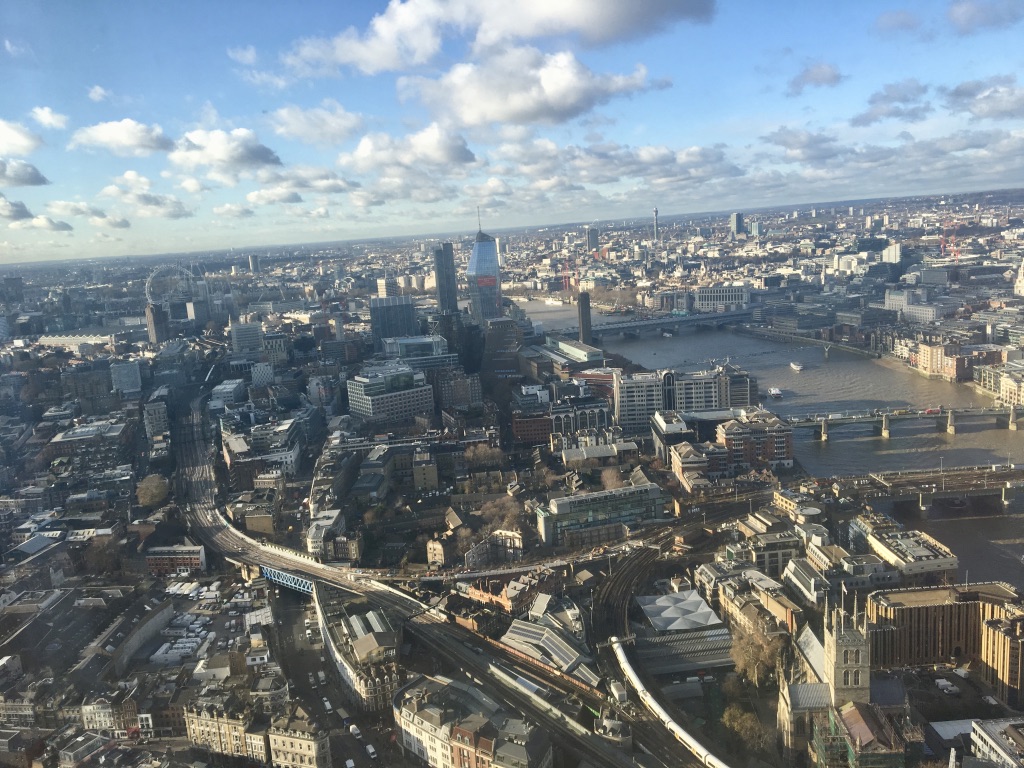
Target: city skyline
364, 121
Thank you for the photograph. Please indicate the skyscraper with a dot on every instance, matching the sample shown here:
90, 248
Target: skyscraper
592, 239
254, 263
586, 336
736, 223
484, 279
157, 324
391, 317
446, 280
655, 225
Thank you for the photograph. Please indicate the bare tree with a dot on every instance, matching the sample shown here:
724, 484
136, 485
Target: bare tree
756, 657
152, 491
611, 478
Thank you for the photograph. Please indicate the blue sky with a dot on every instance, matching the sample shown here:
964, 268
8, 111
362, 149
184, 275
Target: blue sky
134, 128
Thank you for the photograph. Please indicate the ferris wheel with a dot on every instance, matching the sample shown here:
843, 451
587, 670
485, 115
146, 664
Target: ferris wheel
169, 282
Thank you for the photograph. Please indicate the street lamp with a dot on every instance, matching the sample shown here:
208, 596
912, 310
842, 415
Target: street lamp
941, 474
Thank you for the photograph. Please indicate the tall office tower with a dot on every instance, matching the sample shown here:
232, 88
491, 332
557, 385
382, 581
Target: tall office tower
392, 317
586, 336
388, 286
592, 237
736, 223
254, 263
502, 339
246, 338
157, 324
484, 278
446, 280
655, 225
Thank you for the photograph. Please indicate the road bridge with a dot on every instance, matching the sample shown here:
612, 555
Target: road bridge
661, 322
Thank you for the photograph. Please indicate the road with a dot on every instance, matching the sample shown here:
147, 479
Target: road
197, 485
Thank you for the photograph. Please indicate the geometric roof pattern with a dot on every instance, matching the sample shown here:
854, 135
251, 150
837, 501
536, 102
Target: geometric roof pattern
682, 611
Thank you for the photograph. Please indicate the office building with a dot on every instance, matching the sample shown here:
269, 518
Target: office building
483, 277
157, 324
594, 518
392, 393
420, 352
736, 224
446, 280
392, 317
592, 239
246, 339
583, 307
126, 377
502, 339
388, 286
254, 263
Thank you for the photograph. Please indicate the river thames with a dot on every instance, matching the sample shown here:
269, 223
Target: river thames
989, 541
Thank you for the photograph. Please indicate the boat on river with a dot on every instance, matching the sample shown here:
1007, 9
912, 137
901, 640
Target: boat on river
796, 366
775, 392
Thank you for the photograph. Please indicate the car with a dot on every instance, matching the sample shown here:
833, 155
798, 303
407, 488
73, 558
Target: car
371, 751
354, 730
350, 763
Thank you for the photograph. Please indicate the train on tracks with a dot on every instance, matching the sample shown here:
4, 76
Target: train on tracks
647, 699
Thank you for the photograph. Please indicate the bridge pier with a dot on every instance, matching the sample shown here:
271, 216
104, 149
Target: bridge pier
950, 424
824, 431
1012, 419
1009, 492
886, 430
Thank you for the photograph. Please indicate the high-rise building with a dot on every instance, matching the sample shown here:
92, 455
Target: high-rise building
254, 263
446, 279
388, 286
392, 393
502, 339
736, 223
392, 317
592, 239
246, 338
484, 278
586, 336
655, 225
157, 324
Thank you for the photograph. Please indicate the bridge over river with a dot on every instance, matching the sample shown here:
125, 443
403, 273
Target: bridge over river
925, 486
659, 323
946, 419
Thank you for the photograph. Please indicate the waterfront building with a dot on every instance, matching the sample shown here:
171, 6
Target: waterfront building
593, 518
446, 280
483, 276
934, 625
920, 559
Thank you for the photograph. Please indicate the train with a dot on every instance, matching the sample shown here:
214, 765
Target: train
681, 735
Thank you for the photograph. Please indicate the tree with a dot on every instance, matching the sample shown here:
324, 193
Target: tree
756, 657
152, 491
481, 455
611, 478
500, 513
746, 728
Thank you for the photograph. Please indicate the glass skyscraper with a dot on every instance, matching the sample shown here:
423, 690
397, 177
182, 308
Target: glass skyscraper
484, 279
447, 282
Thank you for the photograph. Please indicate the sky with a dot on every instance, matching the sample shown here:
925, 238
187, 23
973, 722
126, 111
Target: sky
138, 128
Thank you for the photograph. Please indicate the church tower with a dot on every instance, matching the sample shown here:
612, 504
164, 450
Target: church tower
847, 657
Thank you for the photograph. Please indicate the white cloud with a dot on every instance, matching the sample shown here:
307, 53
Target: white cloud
320, 180
192, 185
225, 154
263, 79
273, 195
522, 85
897, 22
245, 55
898, 101
126, 138
325, 125
18, 173
41, 222
411, 33
132, 189
47, 118
803, 146
433, 146
16, 139
817, 74
110, 222
995, 98
99, 93
73, 208
15, 50
970, 16
13, 210
234, 211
